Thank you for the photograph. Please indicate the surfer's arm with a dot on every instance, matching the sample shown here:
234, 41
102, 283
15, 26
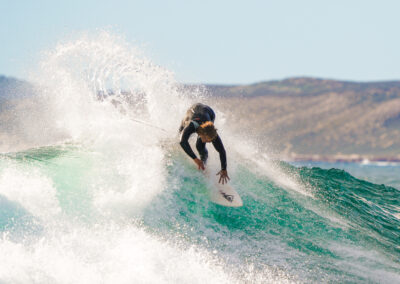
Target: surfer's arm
223, 173
187, 131
217, 142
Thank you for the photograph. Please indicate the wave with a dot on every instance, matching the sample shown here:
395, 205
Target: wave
90, 193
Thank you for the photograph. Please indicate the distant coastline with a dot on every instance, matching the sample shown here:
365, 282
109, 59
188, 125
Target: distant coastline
324, 120
340, 158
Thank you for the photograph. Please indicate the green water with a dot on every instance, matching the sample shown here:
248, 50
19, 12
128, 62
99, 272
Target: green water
344, 230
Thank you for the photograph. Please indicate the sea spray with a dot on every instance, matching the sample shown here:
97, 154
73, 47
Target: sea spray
97, 196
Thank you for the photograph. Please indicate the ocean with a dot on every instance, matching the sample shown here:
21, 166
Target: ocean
94, 188
387, 173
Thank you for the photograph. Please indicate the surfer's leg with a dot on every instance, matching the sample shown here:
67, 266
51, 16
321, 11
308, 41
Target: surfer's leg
201, 148
212, 114
185, 122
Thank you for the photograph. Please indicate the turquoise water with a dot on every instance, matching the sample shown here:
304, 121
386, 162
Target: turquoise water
347, 231
378, 172
94, 188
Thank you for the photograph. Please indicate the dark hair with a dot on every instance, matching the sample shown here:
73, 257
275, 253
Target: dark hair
207, 129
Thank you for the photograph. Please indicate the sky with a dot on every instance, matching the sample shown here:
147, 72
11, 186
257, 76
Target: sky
219, 41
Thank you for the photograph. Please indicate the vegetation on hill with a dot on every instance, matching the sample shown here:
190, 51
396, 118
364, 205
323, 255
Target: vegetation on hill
308, 117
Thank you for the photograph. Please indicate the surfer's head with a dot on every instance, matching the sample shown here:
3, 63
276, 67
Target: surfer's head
207, 132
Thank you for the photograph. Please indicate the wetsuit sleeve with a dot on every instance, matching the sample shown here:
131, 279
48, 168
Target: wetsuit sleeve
189, 130
217, 142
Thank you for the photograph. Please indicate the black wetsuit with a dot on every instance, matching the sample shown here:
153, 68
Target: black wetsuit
195, 116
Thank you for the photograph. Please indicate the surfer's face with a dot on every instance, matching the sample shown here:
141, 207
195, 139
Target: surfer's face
205, 138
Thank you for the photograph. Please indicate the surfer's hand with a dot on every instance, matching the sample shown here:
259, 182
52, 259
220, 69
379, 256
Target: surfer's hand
223, 176
199, 163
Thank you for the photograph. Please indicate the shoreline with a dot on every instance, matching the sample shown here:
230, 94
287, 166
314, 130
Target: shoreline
340, 158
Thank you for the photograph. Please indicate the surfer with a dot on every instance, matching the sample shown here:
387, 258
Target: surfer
200, 119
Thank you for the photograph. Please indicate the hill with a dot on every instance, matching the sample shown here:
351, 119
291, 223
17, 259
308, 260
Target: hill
14, 88
301, 118
309, 118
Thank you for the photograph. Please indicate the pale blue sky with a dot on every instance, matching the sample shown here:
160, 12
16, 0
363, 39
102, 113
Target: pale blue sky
220, 41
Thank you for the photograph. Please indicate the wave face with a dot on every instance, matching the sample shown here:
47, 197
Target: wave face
94, 188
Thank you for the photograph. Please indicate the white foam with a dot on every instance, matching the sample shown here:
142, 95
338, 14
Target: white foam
106, 255
30, 189
248, 153
126, 173
127, 189
366, 263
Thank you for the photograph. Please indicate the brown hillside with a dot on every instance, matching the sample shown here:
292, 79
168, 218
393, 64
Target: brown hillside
307, 116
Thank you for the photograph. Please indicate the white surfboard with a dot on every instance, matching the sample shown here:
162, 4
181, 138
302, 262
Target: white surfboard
222, 194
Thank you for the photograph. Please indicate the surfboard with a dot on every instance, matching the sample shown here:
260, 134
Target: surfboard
222, 194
